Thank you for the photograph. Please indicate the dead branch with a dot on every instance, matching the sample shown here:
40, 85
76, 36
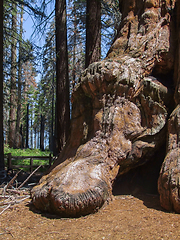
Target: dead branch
12, 180
5, 209
29, 177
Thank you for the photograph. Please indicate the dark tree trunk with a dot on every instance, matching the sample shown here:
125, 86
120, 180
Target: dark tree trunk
1, 96
93, 32
18, 135
52, 119
35, 138
27, 127
22, 134
74, 48
42, 133
62, 79
12, 114
32, 128
38, 138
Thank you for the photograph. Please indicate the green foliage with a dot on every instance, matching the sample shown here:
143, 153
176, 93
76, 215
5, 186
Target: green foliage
25, 152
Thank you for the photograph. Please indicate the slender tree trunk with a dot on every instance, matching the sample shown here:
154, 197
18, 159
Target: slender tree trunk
35, 138
74, 49
93, 32
18, 144
32, 127
42, 133
22, 134
12, 114
62, 79
52, 119
38, 138
1, 95
27, 127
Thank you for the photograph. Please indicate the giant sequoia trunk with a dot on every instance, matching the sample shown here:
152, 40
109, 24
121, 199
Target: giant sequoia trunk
120, 110
169, 179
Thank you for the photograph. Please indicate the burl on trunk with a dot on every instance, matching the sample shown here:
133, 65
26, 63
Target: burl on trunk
120, 109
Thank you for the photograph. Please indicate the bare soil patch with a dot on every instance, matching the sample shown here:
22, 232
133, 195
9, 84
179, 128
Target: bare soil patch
125, 217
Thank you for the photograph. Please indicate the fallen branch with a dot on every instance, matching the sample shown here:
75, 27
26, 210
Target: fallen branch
5, 209
12, 180
29, 177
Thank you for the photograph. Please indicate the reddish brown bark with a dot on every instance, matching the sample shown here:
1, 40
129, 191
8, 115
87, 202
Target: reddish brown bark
93, 32
62, 79
119, 114
12, 113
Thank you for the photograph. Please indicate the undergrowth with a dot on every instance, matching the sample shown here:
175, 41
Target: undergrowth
26, 152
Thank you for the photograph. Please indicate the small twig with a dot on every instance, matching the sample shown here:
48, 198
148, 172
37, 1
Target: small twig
19, 192
52, 232
13, 191
29, 177
31, 184
15, 201
4, 190
7, 232
6, 196
5, 209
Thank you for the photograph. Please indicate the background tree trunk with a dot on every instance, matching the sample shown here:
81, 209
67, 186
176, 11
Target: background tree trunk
17, 137
12, 114
74, 47
27, 127
35, 145
62, 79
42, 133
1, 94
93, 32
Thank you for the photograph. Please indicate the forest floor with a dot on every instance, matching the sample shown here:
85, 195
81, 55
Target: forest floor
125, 217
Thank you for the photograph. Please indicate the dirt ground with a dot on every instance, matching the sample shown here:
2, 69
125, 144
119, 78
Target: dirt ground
125, 217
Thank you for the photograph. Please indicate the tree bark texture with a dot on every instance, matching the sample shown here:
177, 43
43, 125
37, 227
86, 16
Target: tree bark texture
12, 114
62, 79
120, 112
18, 136
93, 32
1, 94
169, 179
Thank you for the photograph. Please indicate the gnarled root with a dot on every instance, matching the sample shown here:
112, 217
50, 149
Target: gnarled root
169, 182
75, 190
